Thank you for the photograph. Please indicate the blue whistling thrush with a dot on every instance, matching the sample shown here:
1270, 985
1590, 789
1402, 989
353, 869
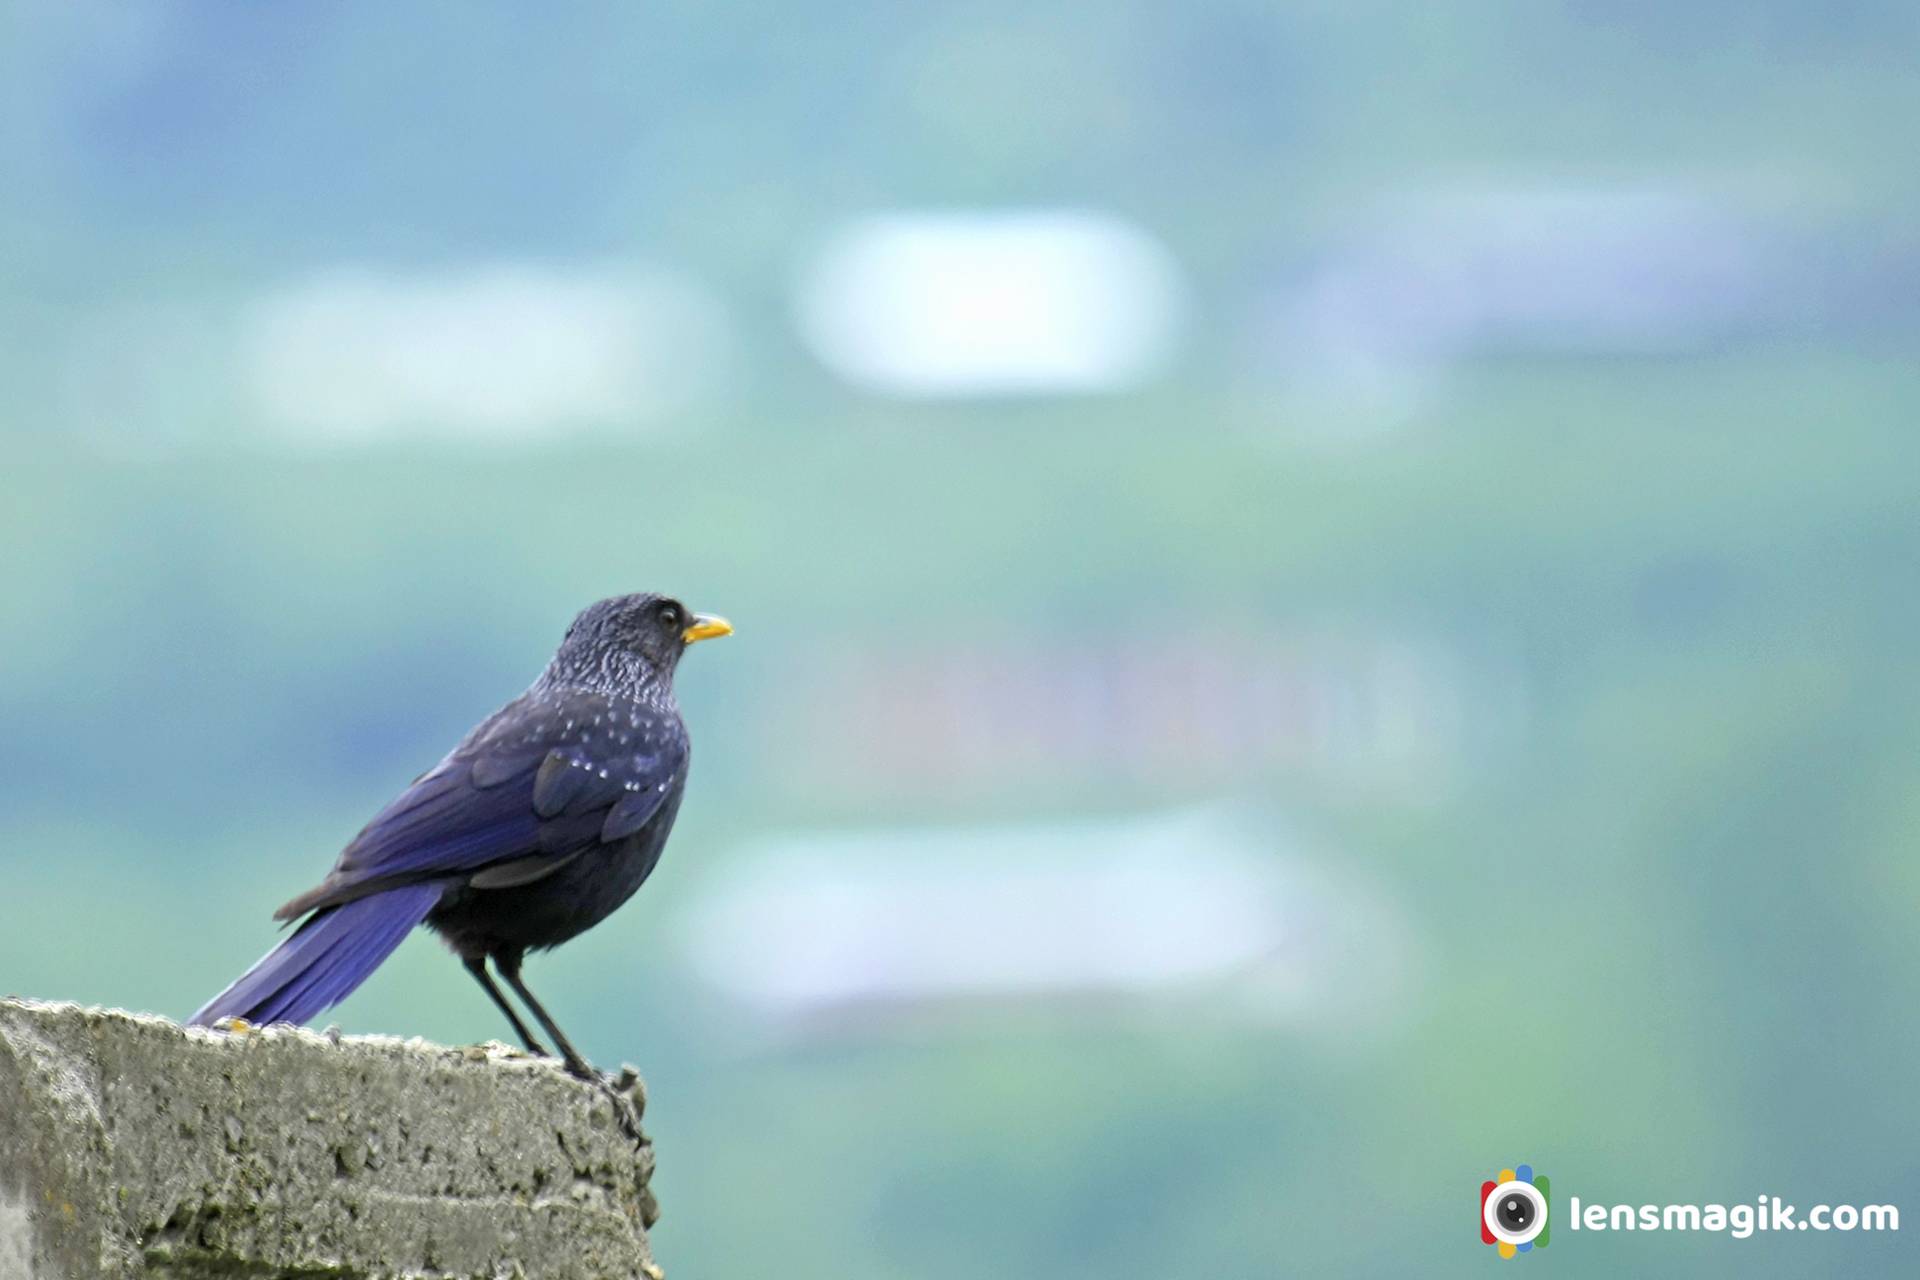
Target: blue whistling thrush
545, 818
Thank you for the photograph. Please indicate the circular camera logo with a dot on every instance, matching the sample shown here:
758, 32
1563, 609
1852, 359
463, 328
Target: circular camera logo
1513, 1210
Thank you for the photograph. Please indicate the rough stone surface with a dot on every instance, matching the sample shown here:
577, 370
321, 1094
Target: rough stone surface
133, 1147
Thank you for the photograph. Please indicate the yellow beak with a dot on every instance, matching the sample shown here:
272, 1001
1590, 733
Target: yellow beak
706, 626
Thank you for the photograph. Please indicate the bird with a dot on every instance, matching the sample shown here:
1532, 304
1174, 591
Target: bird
545, 818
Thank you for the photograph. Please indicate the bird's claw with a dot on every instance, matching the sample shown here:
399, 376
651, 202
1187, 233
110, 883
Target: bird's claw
626, 1108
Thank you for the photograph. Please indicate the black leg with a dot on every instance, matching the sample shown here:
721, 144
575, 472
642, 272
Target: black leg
624, 1108
508, 964
477, 966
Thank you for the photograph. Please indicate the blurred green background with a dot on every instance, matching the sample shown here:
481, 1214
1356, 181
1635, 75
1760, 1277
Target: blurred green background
1441, 695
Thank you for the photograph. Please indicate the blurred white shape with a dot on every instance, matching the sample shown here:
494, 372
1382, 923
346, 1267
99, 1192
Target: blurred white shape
1585, 270
1182, 909
502, 350
1367, 337
979, 304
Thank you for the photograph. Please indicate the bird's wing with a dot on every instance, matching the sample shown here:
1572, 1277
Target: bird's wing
523, 796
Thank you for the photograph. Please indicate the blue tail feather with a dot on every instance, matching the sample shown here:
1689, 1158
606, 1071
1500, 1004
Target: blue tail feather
321, 964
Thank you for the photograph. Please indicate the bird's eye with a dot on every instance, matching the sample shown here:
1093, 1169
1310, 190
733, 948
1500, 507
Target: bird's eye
670, 615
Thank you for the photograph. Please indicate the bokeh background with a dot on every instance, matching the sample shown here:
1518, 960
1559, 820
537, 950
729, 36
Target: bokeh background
1325, 591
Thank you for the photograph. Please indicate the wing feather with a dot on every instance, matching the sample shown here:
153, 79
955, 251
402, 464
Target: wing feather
526, 794
631, 812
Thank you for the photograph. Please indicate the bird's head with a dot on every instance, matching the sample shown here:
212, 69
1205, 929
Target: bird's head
629, 639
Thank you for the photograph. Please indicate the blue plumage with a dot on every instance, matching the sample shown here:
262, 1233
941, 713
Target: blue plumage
330, 955
545, 818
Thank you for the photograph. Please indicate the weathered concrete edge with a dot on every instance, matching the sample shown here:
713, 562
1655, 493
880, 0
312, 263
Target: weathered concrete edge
109, 1116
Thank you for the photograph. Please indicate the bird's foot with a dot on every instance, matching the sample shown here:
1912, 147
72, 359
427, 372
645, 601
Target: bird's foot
626, 1110
623, 1089
629, 1099
628, 1115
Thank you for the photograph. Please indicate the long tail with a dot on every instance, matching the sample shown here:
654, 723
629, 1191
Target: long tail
324, 960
